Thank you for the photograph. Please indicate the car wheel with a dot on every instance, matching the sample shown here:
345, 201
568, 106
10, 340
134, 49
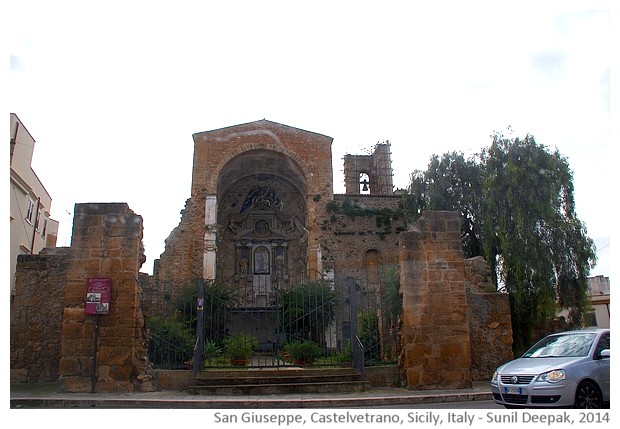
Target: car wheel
588, 396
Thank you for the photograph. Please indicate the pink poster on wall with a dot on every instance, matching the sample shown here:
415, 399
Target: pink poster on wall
98, 294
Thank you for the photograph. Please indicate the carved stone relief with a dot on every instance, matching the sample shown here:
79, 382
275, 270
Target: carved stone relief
264, 244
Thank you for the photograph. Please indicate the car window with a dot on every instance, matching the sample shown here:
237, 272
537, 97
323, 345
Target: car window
603, 343
564, 345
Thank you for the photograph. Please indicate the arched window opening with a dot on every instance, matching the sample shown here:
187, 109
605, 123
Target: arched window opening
364, 184
371, 263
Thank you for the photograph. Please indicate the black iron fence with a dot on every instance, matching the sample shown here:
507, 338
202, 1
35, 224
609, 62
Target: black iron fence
320, 323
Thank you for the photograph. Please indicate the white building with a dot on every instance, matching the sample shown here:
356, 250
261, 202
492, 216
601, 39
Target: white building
598, 314
600, 296
32, 229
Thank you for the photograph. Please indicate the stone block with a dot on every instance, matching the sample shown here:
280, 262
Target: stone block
77, 347
118, 342
454, 349
19, 375
114, 355
417, 352
413, 376
121, 373
73, 330
455, 376
75, 384
70, 366
73, 315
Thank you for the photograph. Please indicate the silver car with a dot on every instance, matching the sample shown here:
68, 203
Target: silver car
568, 369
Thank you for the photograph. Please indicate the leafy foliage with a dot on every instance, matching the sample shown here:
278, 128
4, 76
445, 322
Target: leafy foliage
218, 301
173, 335
240, 346
171, 342
303, 350
346, 353
517, 209
352, 209
452, 183
392, 298
306, 310
369, 335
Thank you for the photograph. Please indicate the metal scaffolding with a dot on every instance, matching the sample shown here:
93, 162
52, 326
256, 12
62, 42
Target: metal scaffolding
377, 166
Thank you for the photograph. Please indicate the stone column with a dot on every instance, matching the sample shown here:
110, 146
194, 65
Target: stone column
210, 246
106, 243
435, 334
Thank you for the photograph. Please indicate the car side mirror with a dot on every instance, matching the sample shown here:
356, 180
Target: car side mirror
604, 354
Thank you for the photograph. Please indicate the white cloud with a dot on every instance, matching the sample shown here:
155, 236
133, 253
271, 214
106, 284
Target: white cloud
113, 93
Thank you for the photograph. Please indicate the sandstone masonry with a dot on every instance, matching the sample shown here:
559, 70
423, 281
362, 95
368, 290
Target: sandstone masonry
262, 217
436, 336
52, 338
106, 242
36, 316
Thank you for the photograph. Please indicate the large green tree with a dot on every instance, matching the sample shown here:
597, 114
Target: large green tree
516, 200
452, 183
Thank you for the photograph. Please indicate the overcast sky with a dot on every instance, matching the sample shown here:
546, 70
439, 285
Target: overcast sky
113, 91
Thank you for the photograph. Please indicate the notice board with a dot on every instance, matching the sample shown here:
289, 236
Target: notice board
98, 293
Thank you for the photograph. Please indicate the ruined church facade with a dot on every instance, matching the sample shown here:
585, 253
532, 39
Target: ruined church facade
254, 205
259, 213
263, 216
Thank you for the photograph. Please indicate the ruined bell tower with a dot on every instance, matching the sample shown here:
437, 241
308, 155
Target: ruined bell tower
369, 174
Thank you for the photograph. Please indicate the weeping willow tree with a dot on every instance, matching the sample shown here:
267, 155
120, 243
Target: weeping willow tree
532, 235
516, 200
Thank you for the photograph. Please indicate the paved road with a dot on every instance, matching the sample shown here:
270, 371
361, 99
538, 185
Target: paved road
462, 405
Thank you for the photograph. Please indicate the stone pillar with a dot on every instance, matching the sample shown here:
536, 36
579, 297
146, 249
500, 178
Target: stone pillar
210, 246
106, 242
435, 335
315, 263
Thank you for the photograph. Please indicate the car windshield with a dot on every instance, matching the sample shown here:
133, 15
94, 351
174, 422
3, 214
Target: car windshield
564, 345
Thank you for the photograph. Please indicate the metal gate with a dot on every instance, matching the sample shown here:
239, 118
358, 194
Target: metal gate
295, 328
319, 323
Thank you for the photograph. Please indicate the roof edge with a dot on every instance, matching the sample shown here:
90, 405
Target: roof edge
261, 121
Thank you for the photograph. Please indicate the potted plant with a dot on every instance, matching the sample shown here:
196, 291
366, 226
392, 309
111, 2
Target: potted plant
240, 348
303, 352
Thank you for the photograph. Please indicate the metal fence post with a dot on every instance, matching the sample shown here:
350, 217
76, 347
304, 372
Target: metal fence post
200, 323
357, 349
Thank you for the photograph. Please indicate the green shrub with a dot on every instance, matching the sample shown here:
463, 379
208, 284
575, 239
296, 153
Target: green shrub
240, 346
345, 355
171, 342
306, 310
306, 351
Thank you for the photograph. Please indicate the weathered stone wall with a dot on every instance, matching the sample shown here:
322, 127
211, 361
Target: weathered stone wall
346, 239
217, 156
36, 315
106, 242
490, 324
435, 334
436, 327
376, 202
176, 265
335, 240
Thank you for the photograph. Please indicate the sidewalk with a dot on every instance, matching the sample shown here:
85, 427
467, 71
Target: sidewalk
47, 396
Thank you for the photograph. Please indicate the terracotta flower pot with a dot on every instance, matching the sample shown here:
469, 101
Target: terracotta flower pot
239, 362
